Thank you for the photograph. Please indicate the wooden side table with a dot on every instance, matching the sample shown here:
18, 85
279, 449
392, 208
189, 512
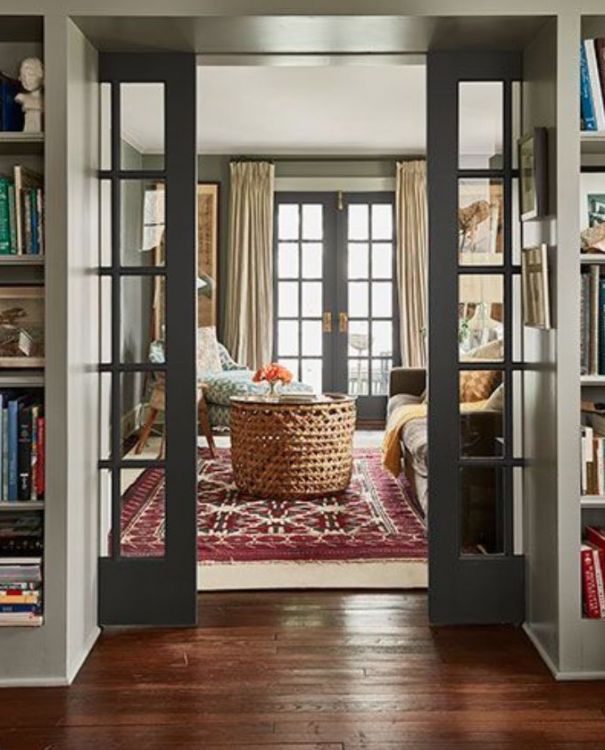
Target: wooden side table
157, 404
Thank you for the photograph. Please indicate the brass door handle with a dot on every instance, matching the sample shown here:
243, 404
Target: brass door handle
343, 322
327, 323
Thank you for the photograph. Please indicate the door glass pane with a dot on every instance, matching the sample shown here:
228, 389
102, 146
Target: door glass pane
287, 221
358, 384
382, 221
382, 260
358, 221
359, 344
481, 413
480, 222
312, 222
287, 295
380, 376
312, 260
382, 339
287, 260
480, 123
292, 365
482, 510
358, 299
287, 331
358, 260
312, 299
143, 524
312, 374
105, 223
143, 316
142, 223
105, 125
311, 337
142, 409
382, 299
480, 317
142, 138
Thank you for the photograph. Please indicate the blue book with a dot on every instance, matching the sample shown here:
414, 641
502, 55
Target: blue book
13, 450
4, 494
587, 110
19, 608
11, 114
2, 411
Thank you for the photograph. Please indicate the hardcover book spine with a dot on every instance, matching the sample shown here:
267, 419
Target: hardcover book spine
40, 210
594, 319
24, 451
585, 324
12, 215
33, 469
13, 468
34, 219
596, 560
595, 83
40, 467
5, 453
589, 121
589, 583
5, 231
27, 223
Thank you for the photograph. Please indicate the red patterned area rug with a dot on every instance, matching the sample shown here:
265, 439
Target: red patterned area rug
295, 542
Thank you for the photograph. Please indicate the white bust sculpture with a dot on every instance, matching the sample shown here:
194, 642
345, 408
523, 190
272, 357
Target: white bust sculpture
31, 76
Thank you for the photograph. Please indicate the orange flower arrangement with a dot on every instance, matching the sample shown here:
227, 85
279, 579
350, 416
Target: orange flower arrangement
273, 373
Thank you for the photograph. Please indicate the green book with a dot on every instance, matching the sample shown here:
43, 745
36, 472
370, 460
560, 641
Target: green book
5, 230
12, 217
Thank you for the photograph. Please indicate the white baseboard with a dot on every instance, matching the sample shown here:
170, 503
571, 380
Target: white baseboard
77, 663
545, 656
355, 574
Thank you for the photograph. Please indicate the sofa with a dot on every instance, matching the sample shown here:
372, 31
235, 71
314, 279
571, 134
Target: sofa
479, 431
228, 379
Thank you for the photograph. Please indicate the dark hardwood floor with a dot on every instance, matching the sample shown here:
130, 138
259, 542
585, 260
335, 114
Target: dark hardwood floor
309, 671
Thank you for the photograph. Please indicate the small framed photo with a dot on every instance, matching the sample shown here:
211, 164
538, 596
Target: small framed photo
535, 284
22, 326
533, 171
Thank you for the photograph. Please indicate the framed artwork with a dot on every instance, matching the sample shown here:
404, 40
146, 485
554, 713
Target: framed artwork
208, 197
480, 222
592, 212
535, 284
533, 175
22, 326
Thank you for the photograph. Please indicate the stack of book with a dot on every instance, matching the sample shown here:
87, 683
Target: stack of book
21, 534
11, 112
22, 213
21, 591
22, 447
592, 557
592, 85
592, 327
592, 461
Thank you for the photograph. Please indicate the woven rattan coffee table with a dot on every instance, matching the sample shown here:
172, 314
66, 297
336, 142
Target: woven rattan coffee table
288, 450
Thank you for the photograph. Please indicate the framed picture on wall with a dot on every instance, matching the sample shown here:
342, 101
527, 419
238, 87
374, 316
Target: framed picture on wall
535, 285
533, 175
22, 326
208, 197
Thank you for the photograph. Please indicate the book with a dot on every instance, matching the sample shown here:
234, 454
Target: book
587, 112
11, 113
40, 464
590, 594
4, 494
585, 324
595, 83
24, 449
13, 438
594, 319
5, 222
24, 179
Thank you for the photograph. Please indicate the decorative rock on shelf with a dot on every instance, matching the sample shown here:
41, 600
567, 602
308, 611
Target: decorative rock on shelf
31, 76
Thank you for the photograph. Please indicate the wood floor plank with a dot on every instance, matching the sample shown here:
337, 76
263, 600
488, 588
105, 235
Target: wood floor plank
309, 671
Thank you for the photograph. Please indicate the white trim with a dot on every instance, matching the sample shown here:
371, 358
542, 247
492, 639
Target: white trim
537, 643
13, 682
332, 184
83, 655
355, 574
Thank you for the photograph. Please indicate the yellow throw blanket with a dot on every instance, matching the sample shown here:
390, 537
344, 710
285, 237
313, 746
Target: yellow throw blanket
391, 443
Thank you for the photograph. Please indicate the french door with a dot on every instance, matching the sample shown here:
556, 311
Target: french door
336, 321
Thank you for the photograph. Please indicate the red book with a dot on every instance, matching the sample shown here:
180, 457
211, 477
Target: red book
41, 457
590, 593
600, 53
595, 535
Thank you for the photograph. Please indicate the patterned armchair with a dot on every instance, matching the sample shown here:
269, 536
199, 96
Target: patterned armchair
233, 379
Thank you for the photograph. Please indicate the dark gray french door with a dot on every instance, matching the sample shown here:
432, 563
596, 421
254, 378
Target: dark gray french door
148, 297
336, 320
475, 574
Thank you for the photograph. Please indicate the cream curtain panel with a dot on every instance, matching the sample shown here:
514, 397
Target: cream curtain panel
411, 217
249, 323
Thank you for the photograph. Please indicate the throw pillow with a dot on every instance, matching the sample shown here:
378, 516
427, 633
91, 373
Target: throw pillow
208, 358
477, 385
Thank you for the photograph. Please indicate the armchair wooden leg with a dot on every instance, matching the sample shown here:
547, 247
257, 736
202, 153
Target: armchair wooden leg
146, 430
204, 424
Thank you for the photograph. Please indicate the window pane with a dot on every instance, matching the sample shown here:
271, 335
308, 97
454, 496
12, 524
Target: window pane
142, 223
287, 299
142, 409
382, 299
312, 216
358, 260
358, 225
382, 260
143, 528
142, 109
481, 120
312, 375
105, 125
312, 260
311, 338
358, 377
382, 221
480, 317
382, 339
287, 221
287, 260
480, 222
358, 299
481, 432
105, 223
105, 309
358, 338
287, 337
380, 376
482, 503
312, 299
143, 316
292, 365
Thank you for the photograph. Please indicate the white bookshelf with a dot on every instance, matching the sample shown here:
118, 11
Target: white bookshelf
29, 505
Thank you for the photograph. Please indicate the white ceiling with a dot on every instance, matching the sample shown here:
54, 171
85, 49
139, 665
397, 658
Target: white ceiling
327, 110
